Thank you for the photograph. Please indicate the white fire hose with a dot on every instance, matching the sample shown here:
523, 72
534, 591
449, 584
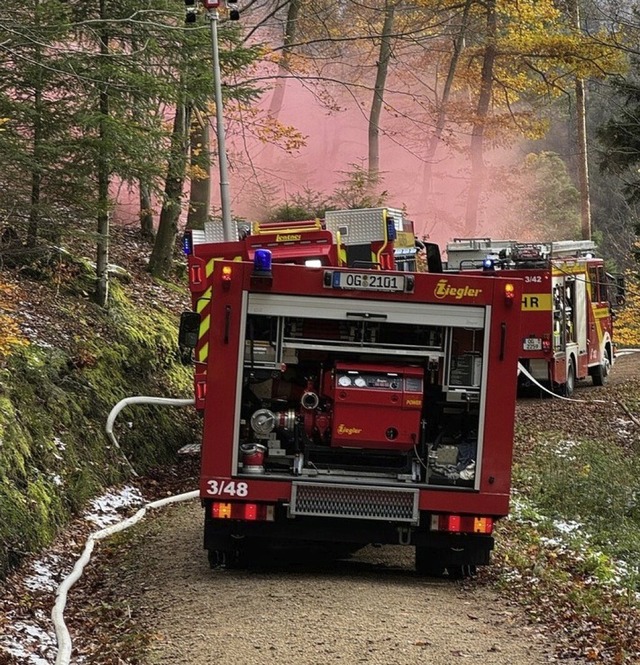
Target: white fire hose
621, 352
141, 399
522, 370
57, 613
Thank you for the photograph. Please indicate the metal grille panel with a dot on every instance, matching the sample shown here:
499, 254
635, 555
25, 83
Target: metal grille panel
214, 231
363, 226
355, 502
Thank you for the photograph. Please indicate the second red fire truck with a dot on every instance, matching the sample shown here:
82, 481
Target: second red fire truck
567, 304
346, 401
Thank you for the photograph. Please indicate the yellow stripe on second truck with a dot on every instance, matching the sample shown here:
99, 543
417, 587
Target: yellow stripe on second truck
536, 302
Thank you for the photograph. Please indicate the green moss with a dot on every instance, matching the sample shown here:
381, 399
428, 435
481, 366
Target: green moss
54, 453
14, 443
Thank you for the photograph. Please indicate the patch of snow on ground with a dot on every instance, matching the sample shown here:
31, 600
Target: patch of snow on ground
44, 576
104, 509
567, 527
564, 449
30, 642
623, 427
34, 642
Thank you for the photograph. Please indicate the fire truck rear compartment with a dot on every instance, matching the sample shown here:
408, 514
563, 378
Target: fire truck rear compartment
361, 399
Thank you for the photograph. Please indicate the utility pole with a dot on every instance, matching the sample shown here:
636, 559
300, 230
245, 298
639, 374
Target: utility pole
212, 12
581, 129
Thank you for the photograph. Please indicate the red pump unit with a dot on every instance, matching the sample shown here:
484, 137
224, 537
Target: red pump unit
376, 406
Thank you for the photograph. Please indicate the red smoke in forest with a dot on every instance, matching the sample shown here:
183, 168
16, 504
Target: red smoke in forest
335, 142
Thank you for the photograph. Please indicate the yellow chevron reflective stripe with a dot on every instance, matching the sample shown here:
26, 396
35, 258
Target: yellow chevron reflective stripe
203, 307
204, 300
203, 352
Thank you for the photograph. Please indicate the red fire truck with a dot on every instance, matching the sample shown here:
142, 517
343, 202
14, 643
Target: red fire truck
345, 405
567, 304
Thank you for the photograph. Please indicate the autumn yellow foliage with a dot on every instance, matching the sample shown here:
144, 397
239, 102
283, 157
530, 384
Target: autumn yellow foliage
10, 333
626, 330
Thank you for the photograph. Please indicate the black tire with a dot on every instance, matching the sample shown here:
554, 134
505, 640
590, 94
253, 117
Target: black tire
225, 559
601, 372
570, 385
429, 562
461, 572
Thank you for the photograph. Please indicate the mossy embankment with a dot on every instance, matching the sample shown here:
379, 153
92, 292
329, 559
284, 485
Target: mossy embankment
58, 383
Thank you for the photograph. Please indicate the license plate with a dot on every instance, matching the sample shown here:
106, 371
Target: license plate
532, 344
374, 281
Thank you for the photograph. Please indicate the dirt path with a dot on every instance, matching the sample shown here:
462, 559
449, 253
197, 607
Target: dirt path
372, 608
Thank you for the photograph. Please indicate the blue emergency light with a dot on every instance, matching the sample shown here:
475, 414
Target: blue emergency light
488, 264
187, 243
262, 263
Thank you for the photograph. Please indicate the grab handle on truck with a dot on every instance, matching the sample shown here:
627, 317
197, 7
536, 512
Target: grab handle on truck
227, 323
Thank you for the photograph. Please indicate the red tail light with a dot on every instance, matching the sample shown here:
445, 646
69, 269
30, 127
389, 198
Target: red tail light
249, 512
546, 343
462, 524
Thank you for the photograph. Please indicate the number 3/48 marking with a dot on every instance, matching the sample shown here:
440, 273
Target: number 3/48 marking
228, 488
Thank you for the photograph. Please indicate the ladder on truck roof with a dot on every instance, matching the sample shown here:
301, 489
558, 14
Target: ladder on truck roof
575, 248
552, 249
470, 252
265, 228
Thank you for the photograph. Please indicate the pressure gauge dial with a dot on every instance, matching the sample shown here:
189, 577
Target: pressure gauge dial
344, 381
360, 382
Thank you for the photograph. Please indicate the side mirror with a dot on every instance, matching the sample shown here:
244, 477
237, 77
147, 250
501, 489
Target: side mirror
189, 331
434, 261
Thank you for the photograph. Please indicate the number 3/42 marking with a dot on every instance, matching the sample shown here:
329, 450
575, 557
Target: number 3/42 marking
227, 488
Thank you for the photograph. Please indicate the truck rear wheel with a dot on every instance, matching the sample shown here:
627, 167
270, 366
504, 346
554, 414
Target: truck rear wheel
601, 372
461, 572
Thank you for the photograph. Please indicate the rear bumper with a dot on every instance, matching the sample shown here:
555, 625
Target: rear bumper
453, 548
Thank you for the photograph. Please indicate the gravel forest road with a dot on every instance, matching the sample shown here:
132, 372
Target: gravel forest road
372, 608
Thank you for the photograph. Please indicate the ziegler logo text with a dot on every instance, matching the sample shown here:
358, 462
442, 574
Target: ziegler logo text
288, 237
444, 289
343, 429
